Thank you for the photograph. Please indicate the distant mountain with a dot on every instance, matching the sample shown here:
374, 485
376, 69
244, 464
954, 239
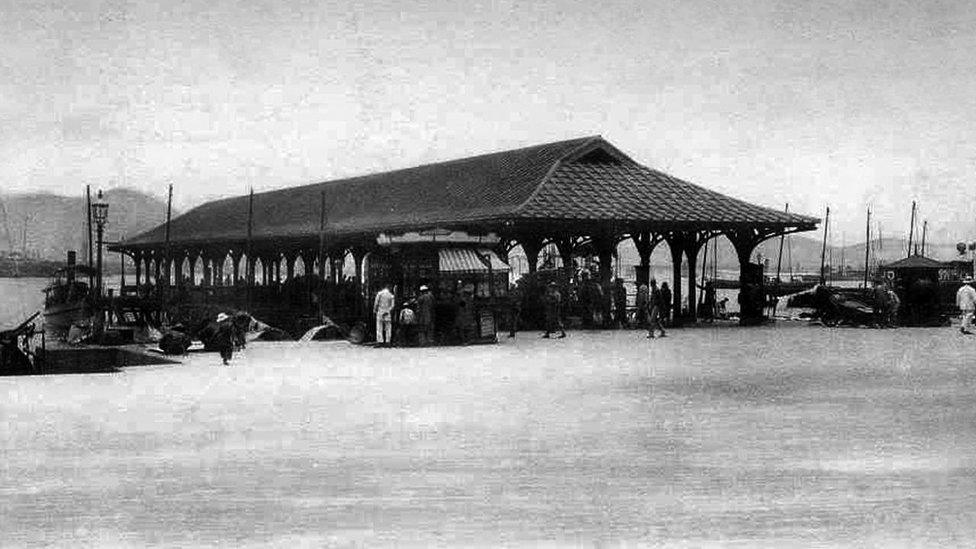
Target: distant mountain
45, 226
803, 253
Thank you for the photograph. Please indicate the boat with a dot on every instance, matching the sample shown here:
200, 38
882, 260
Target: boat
68, 299
773, 286
16, 355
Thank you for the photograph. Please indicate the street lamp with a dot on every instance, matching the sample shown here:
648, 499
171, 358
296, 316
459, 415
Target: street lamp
100, 214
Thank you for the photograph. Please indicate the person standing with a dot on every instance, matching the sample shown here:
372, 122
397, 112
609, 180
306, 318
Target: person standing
880, 308
514, 309
223, 338
425, 316
966, 301
643, 296
654, 314
893, 307
666, 298
620, 302
553, 308
707, 311
383, 309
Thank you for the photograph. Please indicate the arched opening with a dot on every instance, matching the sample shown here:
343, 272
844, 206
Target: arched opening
228, 270
259, 273
518, 263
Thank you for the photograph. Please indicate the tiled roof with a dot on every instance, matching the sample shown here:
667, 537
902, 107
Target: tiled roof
636, 193
578, 179
915, 262
477, 187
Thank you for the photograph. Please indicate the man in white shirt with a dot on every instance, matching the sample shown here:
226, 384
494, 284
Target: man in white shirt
966, 301
383, 309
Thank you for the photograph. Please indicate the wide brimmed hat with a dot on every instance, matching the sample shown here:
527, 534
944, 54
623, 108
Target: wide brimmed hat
222, 317
967, 280
424, 288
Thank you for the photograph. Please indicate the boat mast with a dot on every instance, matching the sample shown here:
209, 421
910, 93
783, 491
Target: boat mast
88, 212
715, 259
167, 260
823, 249
867, 246
782, 237
843, 254
248, 269
322, 256
925, 228
911, 229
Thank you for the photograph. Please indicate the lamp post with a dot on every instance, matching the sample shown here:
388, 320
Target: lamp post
100, 214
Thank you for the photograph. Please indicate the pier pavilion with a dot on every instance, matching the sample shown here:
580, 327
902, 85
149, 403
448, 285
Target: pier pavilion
575, 194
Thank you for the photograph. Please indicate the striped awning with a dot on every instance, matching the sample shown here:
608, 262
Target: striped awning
468, 260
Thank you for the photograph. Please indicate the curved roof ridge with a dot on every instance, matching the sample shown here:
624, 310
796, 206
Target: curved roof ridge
552, 169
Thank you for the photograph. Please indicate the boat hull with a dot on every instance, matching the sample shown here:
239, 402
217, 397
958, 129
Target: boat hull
59, 318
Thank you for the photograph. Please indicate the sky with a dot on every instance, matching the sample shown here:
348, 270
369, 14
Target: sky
846, 103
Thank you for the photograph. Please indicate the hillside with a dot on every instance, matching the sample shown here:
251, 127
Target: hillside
804, 253
55, 223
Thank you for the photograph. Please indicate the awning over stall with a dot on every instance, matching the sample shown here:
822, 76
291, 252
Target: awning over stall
467, 260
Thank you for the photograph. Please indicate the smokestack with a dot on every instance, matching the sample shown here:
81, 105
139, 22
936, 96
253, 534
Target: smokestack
71, 270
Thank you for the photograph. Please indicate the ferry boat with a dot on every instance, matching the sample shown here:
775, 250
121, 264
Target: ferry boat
68, 299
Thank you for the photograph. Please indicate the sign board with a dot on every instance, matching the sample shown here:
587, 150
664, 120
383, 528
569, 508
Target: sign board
486, 324
437, 235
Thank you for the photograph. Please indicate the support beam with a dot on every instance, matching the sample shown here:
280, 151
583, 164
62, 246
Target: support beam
137, 259
565, 247
290, 265
531, 245
235, 261
691, 251
207, 270
645, 242
751, 291
677, 251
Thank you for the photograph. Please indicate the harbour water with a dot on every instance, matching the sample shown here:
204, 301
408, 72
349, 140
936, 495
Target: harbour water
22, 297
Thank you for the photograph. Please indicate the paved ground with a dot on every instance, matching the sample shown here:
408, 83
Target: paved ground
787, 436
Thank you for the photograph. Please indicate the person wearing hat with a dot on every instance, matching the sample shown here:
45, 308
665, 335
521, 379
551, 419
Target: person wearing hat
425, 316
223, 338
966, 301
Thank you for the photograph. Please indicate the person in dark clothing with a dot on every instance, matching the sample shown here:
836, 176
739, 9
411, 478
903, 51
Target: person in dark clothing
514, 309
707, 311
465, 324
666, 298
586, 299
223, 338
553, 307
654, 315
620, 302
425, 316
643, 305
606, 303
